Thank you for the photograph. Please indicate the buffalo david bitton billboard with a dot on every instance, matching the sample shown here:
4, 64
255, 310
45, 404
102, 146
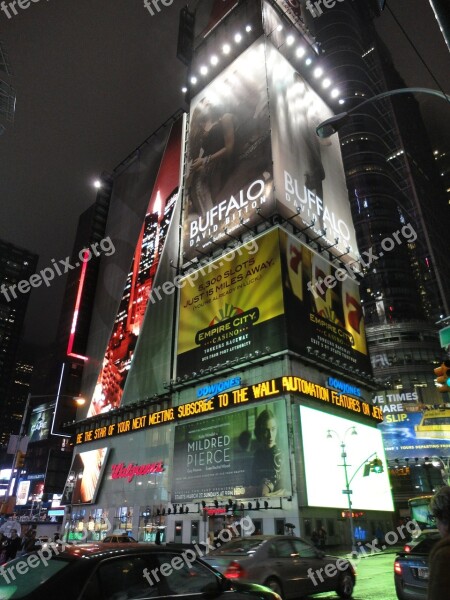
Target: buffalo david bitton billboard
253, 151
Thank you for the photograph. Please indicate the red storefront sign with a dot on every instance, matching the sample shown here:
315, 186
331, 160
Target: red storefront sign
120, 471
215, 511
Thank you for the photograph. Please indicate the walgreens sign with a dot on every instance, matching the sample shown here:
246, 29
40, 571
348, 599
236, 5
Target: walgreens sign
120, 471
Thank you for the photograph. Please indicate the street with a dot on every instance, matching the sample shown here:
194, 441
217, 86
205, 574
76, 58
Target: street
374, 581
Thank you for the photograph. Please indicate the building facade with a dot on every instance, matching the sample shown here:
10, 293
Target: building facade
251, 314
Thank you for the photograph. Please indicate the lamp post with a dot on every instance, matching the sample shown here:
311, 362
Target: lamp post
376, 466
347, 491
332, 125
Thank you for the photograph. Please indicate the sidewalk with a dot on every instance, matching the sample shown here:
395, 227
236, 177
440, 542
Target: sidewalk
345, 551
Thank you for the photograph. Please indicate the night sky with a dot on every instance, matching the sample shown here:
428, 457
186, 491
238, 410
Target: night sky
94, 78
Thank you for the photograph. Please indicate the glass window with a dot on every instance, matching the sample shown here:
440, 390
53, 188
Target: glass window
304, 550
120, 579
240, 546
283, 549
307, 527
194, 579
178, 531
258, 526
330, 526
279, 526
195, 531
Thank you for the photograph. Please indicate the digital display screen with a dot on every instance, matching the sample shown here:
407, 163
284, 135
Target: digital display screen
40, 422
324, 471
84, 477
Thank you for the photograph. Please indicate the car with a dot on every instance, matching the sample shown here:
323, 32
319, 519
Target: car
416, 539
118, 539
288, 565
411, 569
119, 572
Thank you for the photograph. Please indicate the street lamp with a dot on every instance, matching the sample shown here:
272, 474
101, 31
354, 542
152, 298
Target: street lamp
375, 466
347, 491
333, 124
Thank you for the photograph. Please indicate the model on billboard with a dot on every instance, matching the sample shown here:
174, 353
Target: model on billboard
211, 147
268, 460
229, 166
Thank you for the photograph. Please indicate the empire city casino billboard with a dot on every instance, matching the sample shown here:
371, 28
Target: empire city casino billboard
256, 298
132, 309
330, 319
232, 307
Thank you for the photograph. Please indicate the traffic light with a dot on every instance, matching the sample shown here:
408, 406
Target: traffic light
376, 466
20, 460
443, 377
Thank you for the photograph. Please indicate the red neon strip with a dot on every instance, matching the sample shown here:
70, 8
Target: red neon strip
73, 329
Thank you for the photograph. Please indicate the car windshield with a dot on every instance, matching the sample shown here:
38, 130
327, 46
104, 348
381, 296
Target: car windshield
21, 576
244, 546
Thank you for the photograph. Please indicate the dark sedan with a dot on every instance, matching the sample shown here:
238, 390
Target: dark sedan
411, 569
123, 572
288, 565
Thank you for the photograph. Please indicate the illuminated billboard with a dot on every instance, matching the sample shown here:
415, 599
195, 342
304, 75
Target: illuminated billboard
139, 283
253, 150
416, 433
229, 164
242, 454
22, 492
308, 171
258, 297
330, 318
40, 422
232, 307
324, 473
84, 477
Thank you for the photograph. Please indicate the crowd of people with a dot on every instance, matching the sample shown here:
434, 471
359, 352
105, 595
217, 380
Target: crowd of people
14, 541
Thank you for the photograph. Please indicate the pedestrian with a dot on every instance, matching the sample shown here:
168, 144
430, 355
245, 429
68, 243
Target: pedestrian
315, 538
9, 525
29, 541
439, 560
322, 538
12, 546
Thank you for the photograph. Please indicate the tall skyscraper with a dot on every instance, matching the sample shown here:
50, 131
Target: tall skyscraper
393, 184
16, 265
